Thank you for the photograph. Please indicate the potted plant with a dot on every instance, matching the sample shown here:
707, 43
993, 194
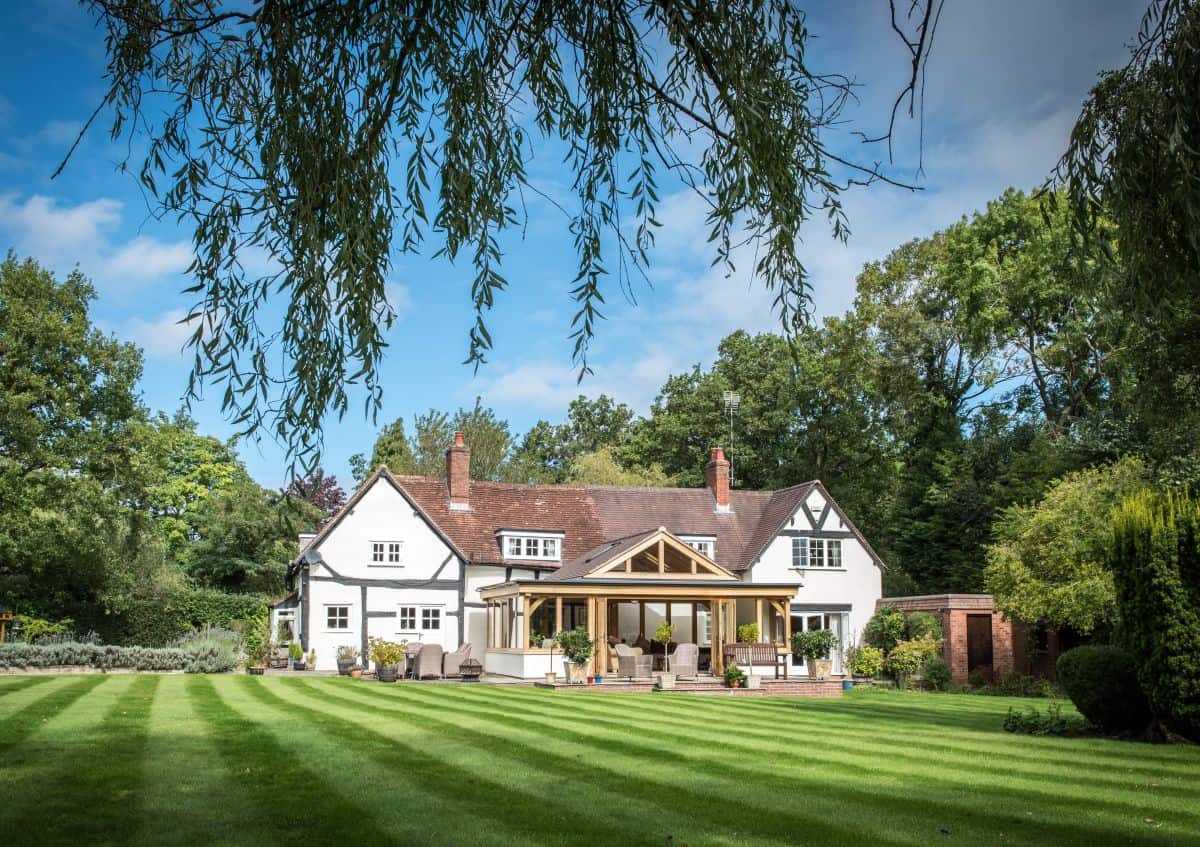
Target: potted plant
312, 659
577, 650
663, 635
748, 634
346, 657
257, 643
813, 648
387, 656
735, 677
296, 654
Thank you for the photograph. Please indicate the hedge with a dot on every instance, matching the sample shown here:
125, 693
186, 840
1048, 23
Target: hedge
195, 658
1102, 682
161, 622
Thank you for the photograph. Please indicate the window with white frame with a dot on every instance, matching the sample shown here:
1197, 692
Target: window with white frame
833, 548
540, 546
386, 552
810, 552
337, 617
704, 544
431, 619
408, 618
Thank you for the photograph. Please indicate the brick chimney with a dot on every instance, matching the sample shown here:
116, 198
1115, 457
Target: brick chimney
716, 477
458, 473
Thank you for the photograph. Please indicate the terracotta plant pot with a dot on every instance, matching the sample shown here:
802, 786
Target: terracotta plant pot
737, 683
256, 671
356, 673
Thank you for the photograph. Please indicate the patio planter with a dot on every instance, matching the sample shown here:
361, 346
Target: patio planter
737, 683
387, 673
551, 676
344, 667
356, 673
299, 666
666, 681
575, 672
753, 681
256, 671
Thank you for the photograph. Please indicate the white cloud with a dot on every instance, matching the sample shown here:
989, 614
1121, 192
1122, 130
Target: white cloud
161, 337
399, 297
148, 258
46, 230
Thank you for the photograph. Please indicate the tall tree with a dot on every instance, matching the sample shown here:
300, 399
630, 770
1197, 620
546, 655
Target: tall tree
335, 135
319, 490
547, 452
67, 406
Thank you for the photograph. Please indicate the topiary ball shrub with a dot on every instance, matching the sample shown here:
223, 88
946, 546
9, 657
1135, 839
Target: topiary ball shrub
1102, 682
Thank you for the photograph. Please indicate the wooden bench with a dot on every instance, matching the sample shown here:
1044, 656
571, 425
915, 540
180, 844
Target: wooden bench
757, 653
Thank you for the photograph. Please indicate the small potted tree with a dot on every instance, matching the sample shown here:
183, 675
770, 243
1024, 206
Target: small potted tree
748, 634
735, 677
296, 654
813, 648
312, 659
346, 657
577, 650
387, 656
663, 635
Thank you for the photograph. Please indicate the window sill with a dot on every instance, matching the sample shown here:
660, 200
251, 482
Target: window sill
381, 565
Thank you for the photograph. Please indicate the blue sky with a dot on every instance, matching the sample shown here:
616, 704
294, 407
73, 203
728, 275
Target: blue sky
1005, 82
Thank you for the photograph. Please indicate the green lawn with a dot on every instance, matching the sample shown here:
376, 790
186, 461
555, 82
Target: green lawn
234, 759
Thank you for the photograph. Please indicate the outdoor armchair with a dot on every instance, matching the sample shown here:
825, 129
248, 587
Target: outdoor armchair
631, 662
452, 661
429, 662
685, 660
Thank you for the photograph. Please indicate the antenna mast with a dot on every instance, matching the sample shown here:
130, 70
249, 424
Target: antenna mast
732, 401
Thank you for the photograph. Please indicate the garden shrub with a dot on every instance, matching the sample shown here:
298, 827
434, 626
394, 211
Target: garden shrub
923, 625
1016, 684
102, 656
908, 658
866, 660
935, 674
34, 630
1102, 682
1032, 722
1155, 562
163, 621
885, 629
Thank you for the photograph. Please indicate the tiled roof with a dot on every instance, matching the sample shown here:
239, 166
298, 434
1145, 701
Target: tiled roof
591, 516
497, 505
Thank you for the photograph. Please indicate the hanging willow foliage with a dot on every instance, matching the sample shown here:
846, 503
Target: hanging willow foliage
308, 142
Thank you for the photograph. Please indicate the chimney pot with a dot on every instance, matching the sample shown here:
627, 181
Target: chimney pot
716, 476
458, 473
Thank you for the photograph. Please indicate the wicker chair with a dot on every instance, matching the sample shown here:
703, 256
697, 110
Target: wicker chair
631, 662
685, 660
429, 662
452, 661
410, 656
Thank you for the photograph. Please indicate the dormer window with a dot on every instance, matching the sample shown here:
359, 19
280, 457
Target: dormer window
526, 545
703, 544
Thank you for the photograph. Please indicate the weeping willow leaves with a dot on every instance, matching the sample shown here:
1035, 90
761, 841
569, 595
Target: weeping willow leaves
310, 142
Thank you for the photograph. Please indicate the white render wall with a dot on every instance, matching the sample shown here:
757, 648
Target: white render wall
383, 514
858, 582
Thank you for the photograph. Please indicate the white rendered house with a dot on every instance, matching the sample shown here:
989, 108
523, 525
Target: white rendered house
501, 566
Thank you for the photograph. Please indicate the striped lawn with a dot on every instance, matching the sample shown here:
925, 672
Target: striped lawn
249, 760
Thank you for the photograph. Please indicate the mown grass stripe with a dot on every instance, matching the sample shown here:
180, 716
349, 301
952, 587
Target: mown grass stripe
12, 684
758, 723
941, 786
46, 702
298, 804
97, 772
960, 756
609, 768
479, 799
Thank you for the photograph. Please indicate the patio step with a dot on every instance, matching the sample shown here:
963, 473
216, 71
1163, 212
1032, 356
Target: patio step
715, 687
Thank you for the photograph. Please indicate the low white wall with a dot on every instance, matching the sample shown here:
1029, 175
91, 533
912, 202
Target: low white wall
523, 665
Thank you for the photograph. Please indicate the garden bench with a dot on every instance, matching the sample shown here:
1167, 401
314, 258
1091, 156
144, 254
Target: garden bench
756, 653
